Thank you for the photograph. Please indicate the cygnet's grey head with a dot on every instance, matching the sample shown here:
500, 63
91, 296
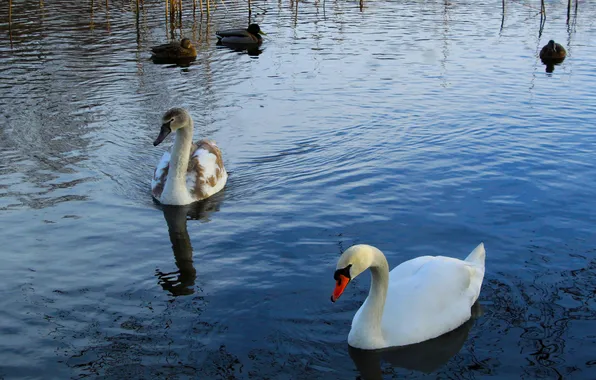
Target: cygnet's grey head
172, 120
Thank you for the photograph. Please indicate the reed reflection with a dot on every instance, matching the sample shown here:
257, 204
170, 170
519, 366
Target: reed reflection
181, 282
426, 357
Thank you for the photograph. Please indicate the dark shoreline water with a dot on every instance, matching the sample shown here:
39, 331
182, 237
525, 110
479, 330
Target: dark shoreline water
420, 128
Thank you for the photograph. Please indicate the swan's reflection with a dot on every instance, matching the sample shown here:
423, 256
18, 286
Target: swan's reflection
181, 282
425, 357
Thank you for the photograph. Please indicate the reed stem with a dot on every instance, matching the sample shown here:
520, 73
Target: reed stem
503, 16
180, 16
167, 6
10, 22
107, 16
91, 23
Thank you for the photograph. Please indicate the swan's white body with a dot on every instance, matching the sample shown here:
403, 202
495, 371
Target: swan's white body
418, 300
188, 172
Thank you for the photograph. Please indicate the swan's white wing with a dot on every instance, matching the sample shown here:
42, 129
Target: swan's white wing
427, 298
410, 267
159, 175
206, 174
403, 271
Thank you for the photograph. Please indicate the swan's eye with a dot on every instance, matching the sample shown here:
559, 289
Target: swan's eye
343, 272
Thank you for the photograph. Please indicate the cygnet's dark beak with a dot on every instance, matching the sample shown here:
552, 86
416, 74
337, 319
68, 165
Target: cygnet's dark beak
163, 133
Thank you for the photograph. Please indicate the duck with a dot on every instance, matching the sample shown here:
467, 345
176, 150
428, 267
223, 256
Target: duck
189, 172
553, 52
420, 299
174, 50
250, 35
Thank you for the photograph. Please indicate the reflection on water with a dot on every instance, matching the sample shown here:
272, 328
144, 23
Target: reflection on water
182, 281
550, 64
181, 62
424, 357
251, 50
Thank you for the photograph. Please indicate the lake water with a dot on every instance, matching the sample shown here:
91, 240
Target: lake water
421, 127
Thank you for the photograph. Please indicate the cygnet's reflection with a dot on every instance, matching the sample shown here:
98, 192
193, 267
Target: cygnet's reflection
182, 281
425, 357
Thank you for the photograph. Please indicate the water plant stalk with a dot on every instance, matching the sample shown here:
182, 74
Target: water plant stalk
10, 22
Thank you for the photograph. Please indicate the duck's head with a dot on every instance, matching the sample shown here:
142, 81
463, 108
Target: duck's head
352, 262
172, 120
551, 44
185, 43
255, 29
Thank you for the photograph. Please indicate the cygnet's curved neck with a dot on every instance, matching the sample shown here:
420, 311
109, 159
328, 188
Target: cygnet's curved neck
176, 181
367, 328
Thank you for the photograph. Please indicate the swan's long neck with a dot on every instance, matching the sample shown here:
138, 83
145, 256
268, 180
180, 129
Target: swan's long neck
366, 329
175, 189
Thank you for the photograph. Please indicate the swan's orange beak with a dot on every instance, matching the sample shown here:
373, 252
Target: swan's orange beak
341, 284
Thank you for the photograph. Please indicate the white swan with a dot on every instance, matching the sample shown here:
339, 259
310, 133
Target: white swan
189, 172
420, 299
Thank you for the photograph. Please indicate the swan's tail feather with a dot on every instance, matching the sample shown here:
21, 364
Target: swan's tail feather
478, 255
